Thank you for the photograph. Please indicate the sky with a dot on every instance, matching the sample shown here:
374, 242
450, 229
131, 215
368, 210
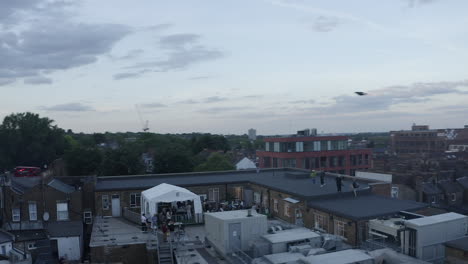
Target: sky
223, 66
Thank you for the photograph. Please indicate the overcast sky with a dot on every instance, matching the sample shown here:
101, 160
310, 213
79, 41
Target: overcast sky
224, 66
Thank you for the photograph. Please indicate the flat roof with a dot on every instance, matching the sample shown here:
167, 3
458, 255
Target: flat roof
430, 220
275, 179
339, 257
290, 235
235, 214
285, 257
461, 243
364, 206
114, 231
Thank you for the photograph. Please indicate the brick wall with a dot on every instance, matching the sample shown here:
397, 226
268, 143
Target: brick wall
46, 199
455, 256
135, 253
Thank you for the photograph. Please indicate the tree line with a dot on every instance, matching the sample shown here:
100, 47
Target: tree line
27, 139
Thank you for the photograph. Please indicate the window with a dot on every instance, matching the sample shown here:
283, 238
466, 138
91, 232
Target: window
340, 228
62, 211
395, 191
135, 200
299, 146
287, 209
256, 197
276, 147
88, 217
105, 202
3, 250
454, 197
203, 197
16, 214
32, 211
275, 205
320, 221
267, 146
213, 194
433, 199
31, 245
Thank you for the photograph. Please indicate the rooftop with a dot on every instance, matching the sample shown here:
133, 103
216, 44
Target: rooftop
339, 257
364, 206
430, 220
236, 214
461, 243
65, 228
276, 179
114, 231
288, 235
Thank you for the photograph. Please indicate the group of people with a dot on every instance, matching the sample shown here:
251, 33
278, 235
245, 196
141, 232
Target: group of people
338, 181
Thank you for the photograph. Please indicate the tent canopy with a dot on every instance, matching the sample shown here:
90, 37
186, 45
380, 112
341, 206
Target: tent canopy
167, 193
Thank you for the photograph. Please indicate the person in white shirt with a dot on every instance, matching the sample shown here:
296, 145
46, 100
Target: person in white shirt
143, 223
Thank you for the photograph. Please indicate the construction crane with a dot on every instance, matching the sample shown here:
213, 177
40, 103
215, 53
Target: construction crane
143, 123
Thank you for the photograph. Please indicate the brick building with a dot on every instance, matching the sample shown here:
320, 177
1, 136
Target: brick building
327, 153
421, 139
37, 209
283, 193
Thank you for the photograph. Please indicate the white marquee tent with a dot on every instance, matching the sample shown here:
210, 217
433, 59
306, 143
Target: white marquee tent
245, 164
167, 193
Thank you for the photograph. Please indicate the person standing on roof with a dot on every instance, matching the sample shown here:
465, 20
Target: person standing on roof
322, 178
355, 186
143, 222
339, 183
313, 175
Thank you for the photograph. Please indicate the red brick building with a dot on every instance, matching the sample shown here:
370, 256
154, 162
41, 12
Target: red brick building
327, 153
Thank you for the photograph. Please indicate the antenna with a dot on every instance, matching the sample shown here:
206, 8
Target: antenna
143, 123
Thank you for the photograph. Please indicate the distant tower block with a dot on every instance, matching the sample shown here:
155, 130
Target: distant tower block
252, 134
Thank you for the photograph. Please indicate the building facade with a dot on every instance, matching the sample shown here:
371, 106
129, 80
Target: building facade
422, 139
326, 153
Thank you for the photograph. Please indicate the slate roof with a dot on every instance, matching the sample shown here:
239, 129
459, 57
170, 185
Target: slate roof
23, 184
430, 188
463, 182
364, 206
29, 235
5, 237
65, 228
461, 243
275, 179
450, 186
61, 186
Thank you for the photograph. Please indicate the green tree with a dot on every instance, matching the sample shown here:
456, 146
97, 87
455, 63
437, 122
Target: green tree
215, 162
125, 160
30, 140
81, 160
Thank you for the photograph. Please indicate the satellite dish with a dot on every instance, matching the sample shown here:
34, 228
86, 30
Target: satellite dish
45, 216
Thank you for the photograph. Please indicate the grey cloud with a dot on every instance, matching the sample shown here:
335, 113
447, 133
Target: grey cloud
46, 39
159, 27
189, 101
202, 77
214, 99
311, 101
182, 51
153, 105
126, 75
414, 3
220, 110
5, 81
324, 24
70, 107
131, 54
38, 80
383, 99
254, 96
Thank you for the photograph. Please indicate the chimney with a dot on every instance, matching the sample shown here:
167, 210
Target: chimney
249, 213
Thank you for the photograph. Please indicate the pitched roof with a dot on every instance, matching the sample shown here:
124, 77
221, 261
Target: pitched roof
463, 182
61, 186
65, 229
23, 184
430, 188
364, 206
275, 179
450, 186
5, 237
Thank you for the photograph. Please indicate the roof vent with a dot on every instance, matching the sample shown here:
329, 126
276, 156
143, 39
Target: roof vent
249, 213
